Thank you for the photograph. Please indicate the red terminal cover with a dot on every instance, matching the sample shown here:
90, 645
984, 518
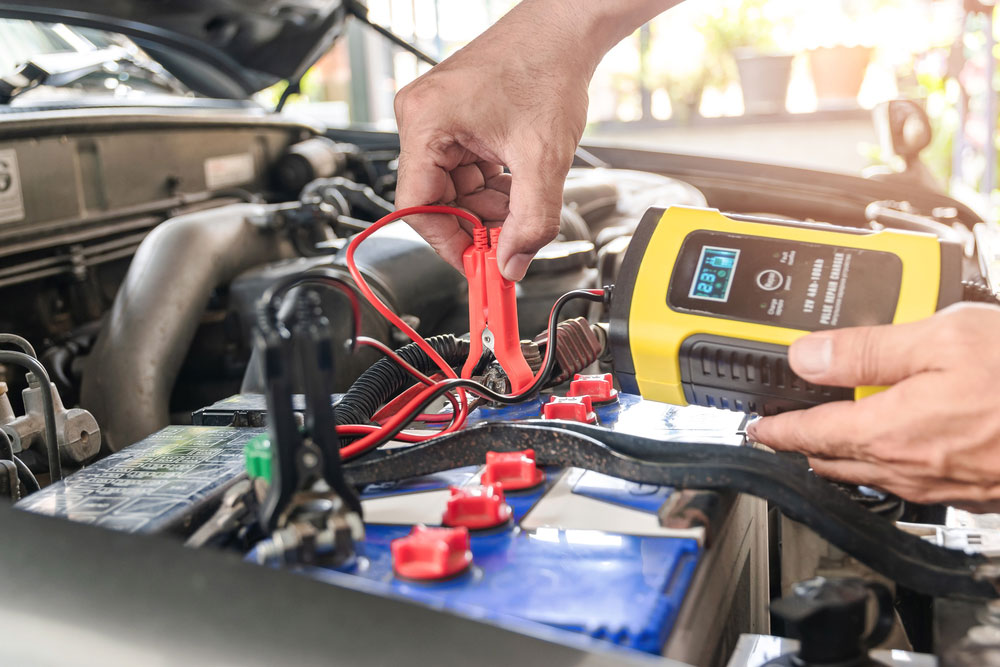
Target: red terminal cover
429, 554
477, 507
514, 470
570, 408
600, 388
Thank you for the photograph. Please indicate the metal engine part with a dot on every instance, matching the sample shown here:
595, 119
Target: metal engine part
77, 432
146, 335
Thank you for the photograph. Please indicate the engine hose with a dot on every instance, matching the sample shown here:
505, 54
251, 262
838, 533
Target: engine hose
791, 486
385, 380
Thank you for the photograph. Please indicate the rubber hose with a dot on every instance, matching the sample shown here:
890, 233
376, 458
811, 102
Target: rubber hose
385, 380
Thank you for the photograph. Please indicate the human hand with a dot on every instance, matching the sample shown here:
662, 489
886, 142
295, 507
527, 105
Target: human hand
931, 437
515, 97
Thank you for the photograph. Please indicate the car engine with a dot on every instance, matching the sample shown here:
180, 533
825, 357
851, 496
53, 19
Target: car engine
179, 297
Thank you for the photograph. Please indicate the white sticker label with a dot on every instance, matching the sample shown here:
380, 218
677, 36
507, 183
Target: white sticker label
11, 203
228, 170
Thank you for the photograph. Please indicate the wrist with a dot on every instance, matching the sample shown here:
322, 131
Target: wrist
596, 26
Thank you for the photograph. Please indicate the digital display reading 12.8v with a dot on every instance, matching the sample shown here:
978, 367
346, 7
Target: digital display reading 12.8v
792, 284
714, 275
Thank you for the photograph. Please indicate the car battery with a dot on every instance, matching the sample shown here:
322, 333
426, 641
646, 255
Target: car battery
584, 552
167, 482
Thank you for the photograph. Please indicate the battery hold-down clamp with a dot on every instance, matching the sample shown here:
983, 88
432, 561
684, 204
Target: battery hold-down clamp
493, 311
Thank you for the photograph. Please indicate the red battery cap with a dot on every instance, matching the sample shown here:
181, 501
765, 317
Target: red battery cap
600, 388
570, 408
514, 470
477, 507
429, 554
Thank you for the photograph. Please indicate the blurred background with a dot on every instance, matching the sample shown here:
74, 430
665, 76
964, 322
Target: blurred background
780, 81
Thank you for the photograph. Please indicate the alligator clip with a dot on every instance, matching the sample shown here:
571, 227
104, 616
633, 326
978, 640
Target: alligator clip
492, 311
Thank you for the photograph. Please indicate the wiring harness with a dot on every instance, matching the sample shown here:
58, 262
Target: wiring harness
444, 381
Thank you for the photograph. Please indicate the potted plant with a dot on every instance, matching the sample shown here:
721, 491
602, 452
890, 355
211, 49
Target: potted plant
740, 42
837, 73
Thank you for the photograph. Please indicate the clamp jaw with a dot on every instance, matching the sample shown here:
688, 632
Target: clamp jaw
308, 505
493, 311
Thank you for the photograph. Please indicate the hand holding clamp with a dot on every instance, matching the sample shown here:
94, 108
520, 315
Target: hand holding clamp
493, 311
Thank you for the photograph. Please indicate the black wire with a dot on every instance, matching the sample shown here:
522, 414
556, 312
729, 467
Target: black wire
482, 390
360, 12
293, 88
14, 339
26, 476
49, 410
270, 300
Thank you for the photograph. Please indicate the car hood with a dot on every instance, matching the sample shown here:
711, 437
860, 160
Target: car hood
219, 48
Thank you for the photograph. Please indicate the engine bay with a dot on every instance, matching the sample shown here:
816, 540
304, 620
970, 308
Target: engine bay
211, 349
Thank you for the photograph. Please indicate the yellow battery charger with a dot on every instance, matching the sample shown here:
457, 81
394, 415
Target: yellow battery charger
706, 305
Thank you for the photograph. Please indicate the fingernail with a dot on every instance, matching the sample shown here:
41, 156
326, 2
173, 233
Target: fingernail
517, 266
811, 354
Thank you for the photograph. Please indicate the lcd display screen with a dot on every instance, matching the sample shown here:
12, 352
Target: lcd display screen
713, 277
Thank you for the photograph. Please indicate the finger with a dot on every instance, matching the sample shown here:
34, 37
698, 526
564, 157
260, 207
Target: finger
916, 488
535, 203
501, 183
852, 472
444, 234
468, 179
424, 176
831, 430
490, 205
489, 169
860, 356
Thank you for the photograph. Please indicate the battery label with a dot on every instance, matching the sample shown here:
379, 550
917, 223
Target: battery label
794, 285
11, 202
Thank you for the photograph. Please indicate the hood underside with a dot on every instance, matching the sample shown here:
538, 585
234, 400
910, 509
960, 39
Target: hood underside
219, 48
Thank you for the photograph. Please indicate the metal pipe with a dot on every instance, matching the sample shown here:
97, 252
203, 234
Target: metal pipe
131, 372
32, 365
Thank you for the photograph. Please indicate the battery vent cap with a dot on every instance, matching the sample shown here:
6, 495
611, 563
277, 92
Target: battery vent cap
600, 388
570, 408
431, 554
477, 507
514, 470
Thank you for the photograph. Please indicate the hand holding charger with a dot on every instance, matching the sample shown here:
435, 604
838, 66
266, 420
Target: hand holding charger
706, 304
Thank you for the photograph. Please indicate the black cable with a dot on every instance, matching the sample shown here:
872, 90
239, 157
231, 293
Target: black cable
49, 410
385, 379
26, 476
360, 12
482, 390
270, 301
293, 88
800, 494
14, 339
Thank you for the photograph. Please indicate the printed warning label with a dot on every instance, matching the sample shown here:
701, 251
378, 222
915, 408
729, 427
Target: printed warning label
11, 202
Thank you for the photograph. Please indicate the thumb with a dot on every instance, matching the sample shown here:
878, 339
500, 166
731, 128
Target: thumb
535, 203
879, 355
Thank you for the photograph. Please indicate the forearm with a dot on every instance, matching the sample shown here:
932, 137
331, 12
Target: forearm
584, 29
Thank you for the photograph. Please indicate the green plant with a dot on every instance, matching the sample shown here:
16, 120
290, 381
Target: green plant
738, 27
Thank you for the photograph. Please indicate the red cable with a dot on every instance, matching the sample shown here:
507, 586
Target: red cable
409, 368
377, 303
405, 414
